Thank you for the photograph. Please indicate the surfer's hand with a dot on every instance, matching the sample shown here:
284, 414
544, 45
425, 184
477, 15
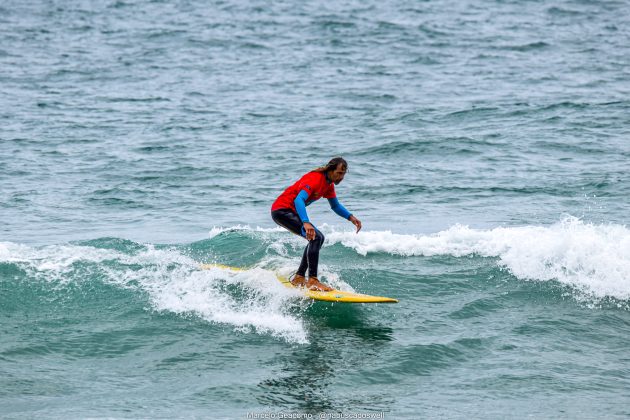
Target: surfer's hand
310, 231
355, 222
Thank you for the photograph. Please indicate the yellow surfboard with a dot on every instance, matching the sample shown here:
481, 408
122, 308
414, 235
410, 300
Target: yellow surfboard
332, 296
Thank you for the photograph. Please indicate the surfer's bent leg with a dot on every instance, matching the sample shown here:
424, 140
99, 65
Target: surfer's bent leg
291, 221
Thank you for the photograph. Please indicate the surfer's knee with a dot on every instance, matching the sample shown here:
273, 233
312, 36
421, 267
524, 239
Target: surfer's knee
319, 237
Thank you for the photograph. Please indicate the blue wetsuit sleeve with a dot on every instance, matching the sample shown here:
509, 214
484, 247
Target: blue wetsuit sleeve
300, 206
338, 208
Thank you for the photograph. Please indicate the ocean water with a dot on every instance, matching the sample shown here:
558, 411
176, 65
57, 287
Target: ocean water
488, 146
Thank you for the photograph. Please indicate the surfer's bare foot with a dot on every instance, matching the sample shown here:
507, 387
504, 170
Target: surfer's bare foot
314, 284
298, 281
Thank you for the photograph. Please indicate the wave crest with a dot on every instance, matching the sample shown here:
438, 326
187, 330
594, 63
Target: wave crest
594, 258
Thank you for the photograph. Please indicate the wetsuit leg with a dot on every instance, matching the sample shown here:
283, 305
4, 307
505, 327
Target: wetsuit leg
291, 221
313, 253
304, 263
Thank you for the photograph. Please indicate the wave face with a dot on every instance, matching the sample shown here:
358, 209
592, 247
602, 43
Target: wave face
590, 260
169, 280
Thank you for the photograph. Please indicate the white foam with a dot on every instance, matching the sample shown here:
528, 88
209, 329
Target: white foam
175, 284
257, 301
593, 258
53, 262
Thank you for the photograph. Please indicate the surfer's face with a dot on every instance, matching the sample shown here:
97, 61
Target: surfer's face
337, 175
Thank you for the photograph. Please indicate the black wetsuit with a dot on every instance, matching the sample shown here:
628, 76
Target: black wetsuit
291, 221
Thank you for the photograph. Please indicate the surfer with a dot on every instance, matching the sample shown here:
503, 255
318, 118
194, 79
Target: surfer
289, 211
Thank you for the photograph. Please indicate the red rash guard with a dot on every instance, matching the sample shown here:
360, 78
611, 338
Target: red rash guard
314, 183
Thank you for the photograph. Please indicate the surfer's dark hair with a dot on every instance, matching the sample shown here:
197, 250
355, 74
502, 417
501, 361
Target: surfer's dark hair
333, 164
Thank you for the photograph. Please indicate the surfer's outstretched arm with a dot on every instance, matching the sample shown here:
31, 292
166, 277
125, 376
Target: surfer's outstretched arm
338, 208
